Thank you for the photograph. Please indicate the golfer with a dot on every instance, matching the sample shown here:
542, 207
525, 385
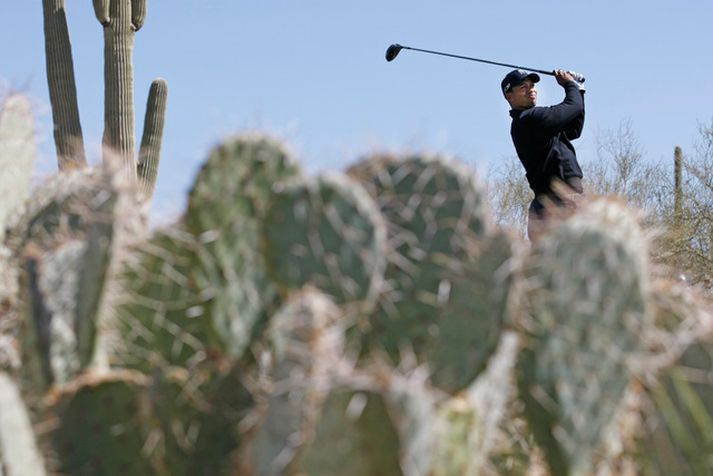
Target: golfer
543, 140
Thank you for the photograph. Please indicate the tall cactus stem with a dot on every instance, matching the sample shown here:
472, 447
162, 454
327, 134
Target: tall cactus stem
119, 91
678, 188
150, 151
62, 87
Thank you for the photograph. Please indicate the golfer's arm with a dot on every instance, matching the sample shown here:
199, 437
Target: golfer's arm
564, 115
574, 128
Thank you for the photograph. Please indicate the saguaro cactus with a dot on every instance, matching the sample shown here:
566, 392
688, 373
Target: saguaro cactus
678, 190
62, 87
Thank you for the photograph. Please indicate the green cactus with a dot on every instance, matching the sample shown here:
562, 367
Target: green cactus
102, 426
447, 283
225, 332
678, 423
588, 309
326, 233
189, 294
198, 413
52, 283
62, 87
355, 428
120, 19
19, 453
17, 156
150, 150
64, 243
306, 345
226, 208
119, 82
162, 317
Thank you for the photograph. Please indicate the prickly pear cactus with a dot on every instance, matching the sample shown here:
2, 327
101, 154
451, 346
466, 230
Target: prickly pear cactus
17, 155
197, 414
328, 233
587, 311
102, 426
64, 243
226, 209
162, 316
678, 416
307, 348
354, 435
447, 279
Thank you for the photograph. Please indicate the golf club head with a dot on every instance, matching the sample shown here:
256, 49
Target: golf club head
393, 51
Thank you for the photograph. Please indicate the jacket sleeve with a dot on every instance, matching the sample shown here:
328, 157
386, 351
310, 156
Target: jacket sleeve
559, 117
574, 128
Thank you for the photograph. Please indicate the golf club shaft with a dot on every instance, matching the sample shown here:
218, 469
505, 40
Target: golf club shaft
541, 71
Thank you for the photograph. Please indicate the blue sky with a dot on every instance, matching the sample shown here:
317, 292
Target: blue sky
314, 74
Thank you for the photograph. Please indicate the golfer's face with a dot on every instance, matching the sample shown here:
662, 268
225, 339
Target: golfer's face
523, 95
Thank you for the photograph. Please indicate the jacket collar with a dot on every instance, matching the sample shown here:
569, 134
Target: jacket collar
515, 113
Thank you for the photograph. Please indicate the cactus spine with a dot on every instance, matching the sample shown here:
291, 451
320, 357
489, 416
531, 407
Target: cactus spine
62, 87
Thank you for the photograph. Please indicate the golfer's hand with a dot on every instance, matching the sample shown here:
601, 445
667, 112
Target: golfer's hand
562, 77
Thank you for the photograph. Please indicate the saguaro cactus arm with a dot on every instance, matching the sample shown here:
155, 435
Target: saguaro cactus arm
150, 151
101, 10
62, 87
138, 13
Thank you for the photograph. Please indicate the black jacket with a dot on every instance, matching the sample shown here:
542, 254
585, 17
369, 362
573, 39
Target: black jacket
542, 138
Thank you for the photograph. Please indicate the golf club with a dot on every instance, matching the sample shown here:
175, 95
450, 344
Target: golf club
393, 51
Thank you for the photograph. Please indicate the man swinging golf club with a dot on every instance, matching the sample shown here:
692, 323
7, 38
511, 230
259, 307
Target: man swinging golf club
543, 140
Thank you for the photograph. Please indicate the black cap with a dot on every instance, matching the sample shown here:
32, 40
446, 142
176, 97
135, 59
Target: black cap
515, 77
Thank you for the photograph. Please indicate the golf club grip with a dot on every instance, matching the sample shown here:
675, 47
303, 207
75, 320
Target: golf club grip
577, 77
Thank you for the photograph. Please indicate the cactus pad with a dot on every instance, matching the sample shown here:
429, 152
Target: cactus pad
162, 316
17, 156
306, 345
226, 207
198, 413
102, 426
442, 255
588, 308
354, 435
677, 427
326, 233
